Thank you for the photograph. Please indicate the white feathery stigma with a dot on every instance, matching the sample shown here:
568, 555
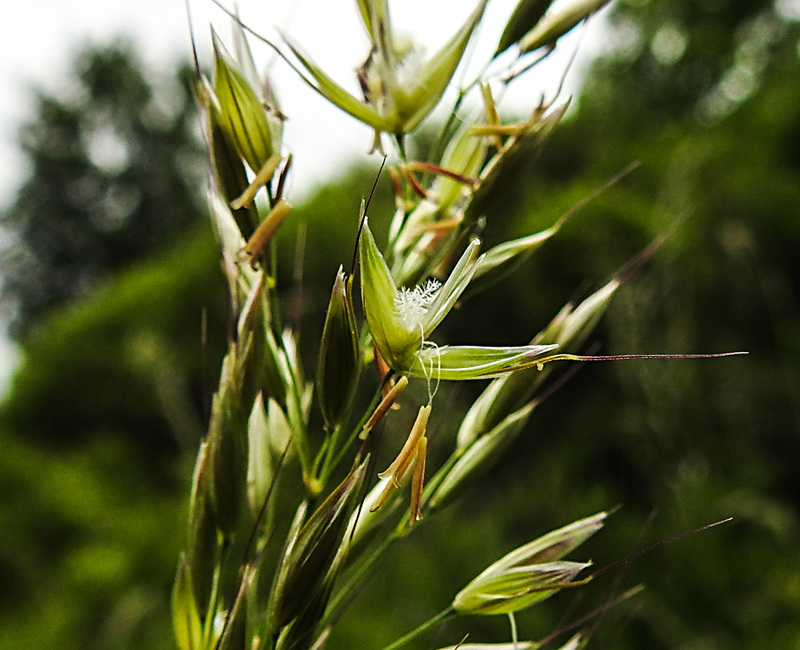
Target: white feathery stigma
411, 305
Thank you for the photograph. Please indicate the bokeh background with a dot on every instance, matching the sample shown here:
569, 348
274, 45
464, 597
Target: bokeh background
112, 296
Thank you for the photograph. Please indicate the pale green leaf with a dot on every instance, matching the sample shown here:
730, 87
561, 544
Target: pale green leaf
557, 23
241, 113
515, 589
454, 286
477, 459
378, 291
457, 363
524, 18
464, 155
337, 95
504, 258
369, 9
185, 618
414, 104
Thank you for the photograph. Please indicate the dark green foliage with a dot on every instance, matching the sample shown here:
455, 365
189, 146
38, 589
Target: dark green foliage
129, 362
88, 553
672, 57
109, 392
115, 166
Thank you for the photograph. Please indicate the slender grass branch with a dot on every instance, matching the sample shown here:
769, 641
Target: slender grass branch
422, 629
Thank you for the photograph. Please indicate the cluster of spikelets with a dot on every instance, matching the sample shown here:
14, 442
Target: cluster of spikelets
278, 439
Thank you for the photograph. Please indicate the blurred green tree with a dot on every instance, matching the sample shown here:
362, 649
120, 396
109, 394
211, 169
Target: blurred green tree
114, 168
93, 481
688, 60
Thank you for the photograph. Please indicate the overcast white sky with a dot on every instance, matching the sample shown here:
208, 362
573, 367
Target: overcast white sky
38, 39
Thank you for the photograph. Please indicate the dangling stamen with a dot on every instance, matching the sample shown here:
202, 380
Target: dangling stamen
433, 372
408, 454
418, 480
383, 408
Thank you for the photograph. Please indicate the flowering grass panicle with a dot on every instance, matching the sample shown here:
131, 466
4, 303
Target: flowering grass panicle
288, 512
